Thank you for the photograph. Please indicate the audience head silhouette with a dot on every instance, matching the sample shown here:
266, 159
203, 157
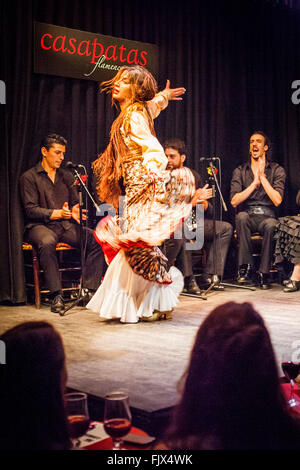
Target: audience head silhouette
31, 396
232, 397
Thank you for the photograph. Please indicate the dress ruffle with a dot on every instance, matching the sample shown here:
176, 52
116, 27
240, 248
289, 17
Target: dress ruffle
155, 214
128, 296
152, 210
287, 236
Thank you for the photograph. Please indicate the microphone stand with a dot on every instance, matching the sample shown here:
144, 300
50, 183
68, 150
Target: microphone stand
83, 293
215, 281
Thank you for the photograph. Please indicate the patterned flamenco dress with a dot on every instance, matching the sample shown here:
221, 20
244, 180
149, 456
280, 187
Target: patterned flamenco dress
155, 201
287, 236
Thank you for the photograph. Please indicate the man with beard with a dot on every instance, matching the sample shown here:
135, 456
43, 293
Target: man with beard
257, 187
175, 249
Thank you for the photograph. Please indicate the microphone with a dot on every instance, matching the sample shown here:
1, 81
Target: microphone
74, 166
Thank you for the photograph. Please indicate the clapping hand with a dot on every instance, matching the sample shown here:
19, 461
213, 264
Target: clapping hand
65, 211
261, 168
76, 213
201, 195
204, 193
258, 172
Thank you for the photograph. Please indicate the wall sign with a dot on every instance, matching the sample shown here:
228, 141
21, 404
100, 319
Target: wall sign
79, 54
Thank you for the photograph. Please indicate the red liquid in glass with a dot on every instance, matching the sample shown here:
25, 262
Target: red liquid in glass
290, 369
117, 427
78, 425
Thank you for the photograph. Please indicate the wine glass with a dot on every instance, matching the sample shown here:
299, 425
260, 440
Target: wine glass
291, 370
77, 415
117, 417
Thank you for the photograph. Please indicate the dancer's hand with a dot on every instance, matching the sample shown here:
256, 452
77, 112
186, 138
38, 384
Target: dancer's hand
174, 93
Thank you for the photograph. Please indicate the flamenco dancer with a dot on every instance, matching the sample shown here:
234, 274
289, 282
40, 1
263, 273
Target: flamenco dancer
137, 285
287, 236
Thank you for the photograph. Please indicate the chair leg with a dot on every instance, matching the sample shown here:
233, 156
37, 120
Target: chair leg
36, 278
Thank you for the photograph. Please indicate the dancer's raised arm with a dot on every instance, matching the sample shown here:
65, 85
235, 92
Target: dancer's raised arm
161, 99
174, 93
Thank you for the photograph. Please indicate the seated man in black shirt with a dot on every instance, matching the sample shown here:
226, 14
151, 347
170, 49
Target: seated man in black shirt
257, 187
174, 249
51, 206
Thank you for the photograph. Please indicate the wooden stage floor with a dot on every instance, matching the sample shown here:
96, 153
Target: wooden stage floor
149, 358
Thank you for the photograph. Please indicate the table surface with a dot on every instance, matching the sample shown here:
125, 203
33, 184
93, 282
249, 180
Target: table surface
105, 442
97, 439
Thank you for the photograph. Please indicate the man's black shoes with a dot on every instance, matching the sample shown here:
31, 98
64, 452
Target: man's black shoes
208, 279
191, 286
263, 281
245, 274
88, 294
57, 304
85, 297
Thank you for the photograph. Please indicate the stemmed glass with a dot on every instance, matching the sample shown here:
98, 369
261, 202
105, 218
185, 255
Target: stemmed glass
78, 416
291, 370
117, 417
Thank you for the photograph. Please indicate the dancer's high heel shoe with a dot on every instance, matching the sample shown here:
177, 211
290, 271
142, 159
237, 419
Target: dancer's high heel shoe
157, 315
164, 315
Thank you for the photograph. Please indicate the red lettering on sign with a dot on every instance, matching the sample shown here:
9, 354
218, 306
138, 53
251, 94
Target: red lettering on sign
62, 45
42, 40
73, 50
113, 57
135, 59
94, 49
122, 48
86, 51
95, 44
143, 54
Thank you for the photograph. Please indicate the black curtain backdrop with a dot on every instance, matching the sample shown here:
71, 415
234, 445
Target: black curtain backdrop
237, 60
